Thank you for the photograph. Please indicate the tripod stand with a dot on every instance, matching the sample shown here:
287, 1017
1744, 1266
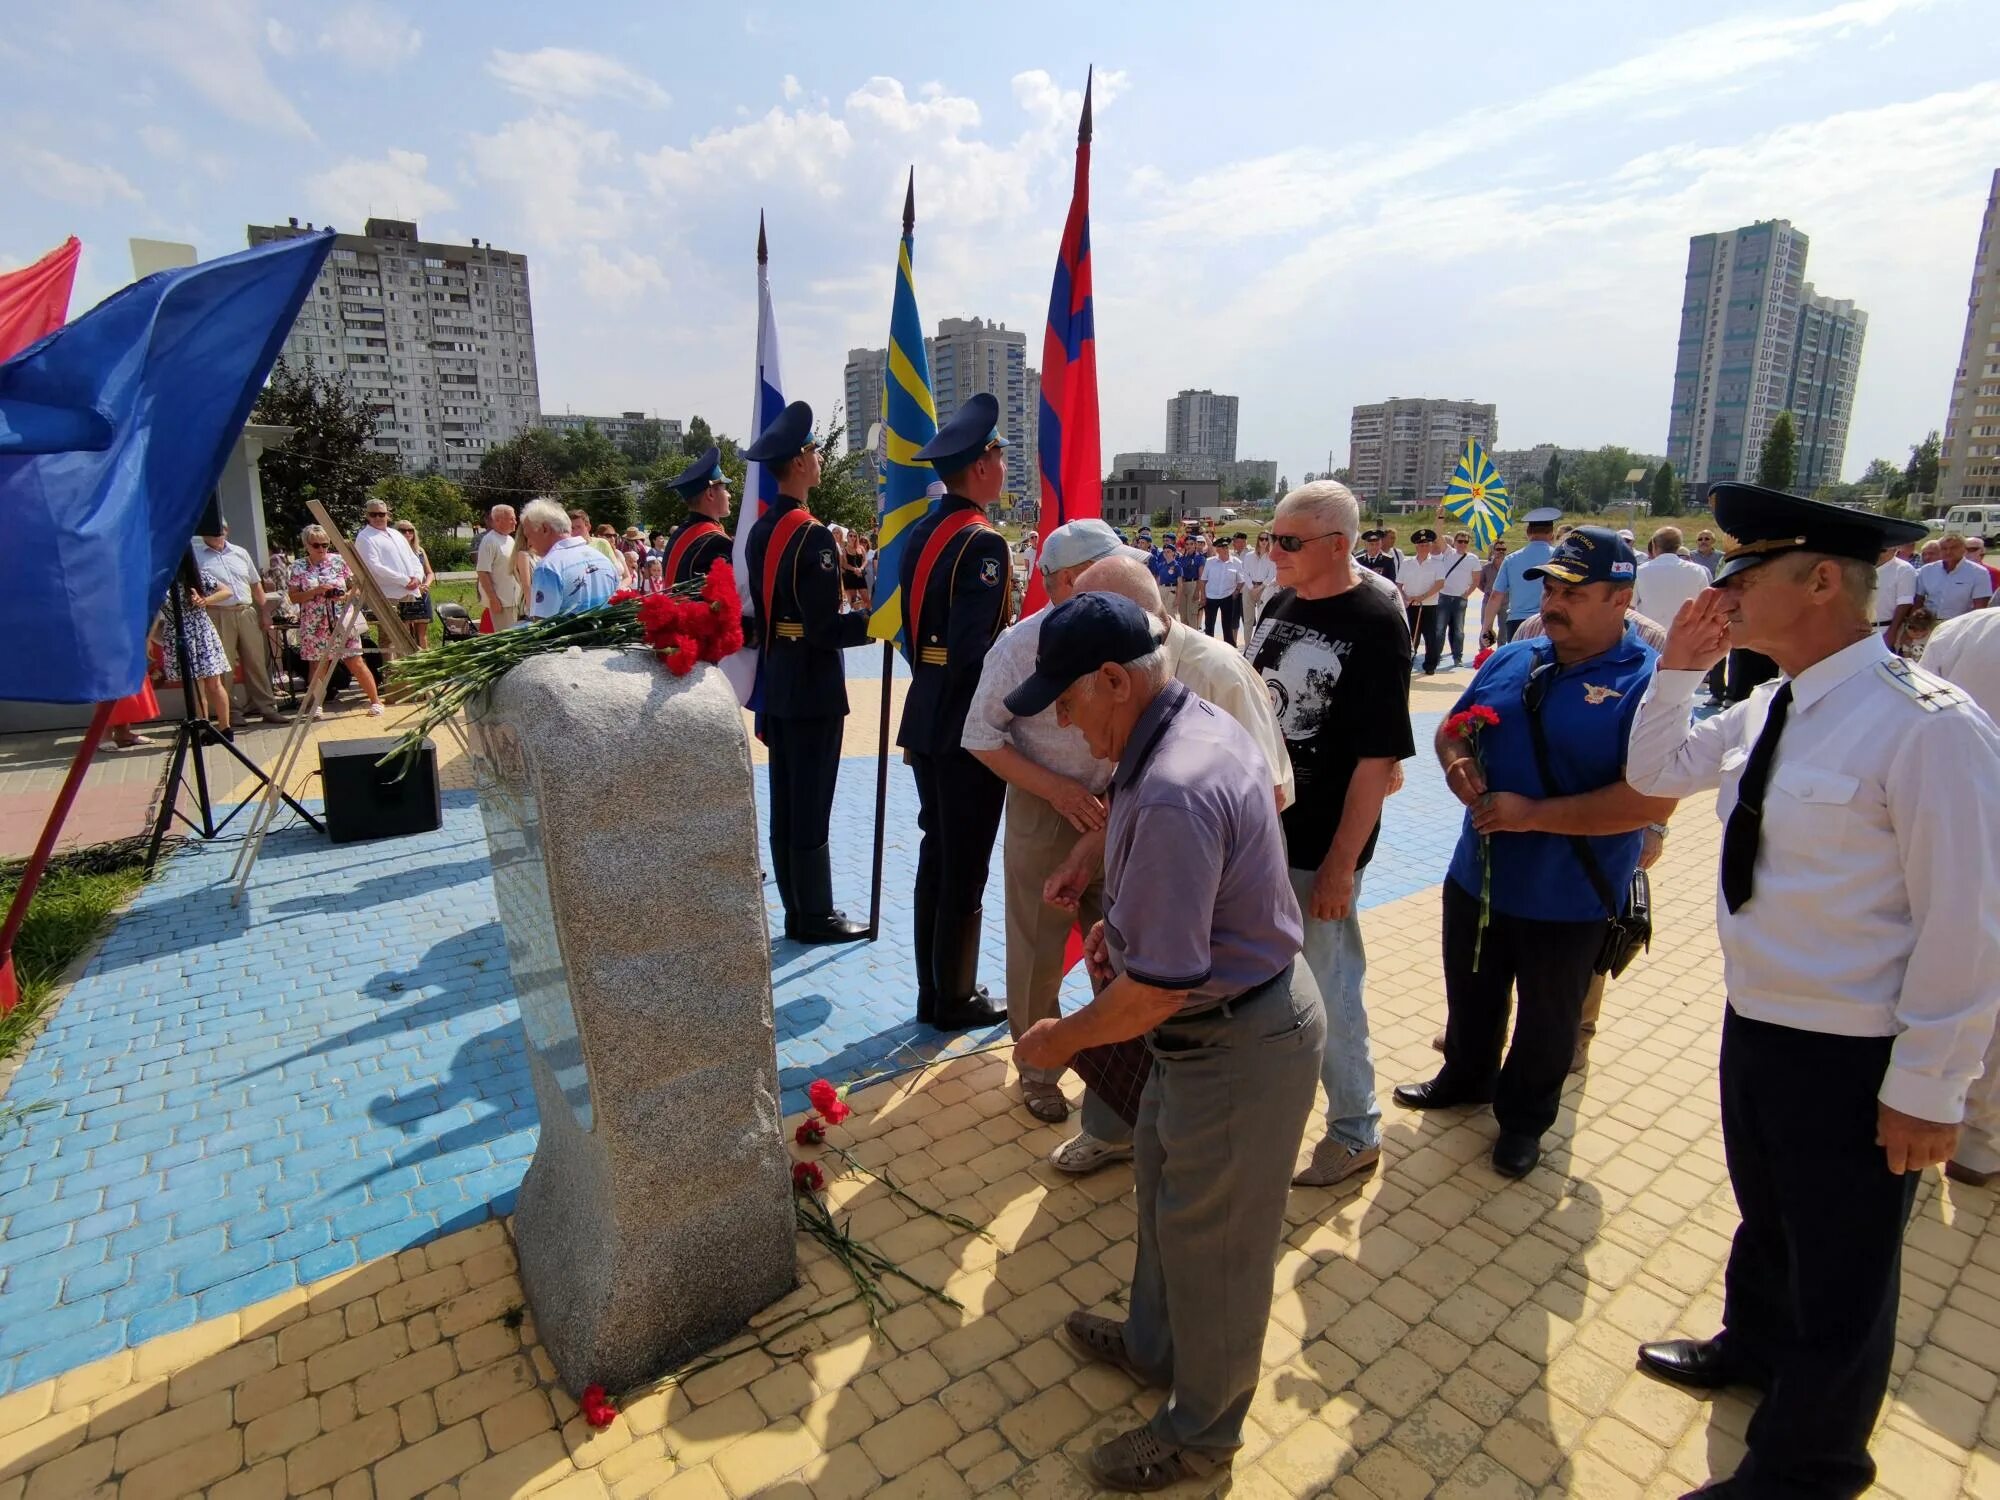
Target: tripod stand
194, 733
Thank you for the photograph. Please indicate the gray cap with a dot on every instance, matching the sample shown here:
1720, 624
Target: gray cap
1077, 542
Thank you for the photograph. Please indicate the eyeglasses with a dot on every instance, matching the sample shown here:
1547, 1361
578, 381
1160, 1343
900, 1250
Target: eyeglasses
1536, 692
377, 515
1297, 543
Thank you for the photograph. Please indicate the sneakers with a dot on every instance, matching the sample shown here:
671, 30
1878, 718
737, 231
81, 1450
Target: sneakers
1084, 1153
1334, 1161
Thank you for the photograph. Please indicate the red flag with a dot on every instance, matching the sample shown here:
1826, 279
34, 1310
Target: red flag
1067, 434
35, 299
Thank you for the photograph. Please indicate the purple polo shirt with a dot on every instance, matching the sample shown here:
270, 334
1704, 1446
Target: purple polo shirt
1196, 893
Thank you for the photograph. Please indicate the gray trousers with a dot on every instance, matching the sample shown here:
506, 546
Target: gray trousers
1038, 839
1219, 1131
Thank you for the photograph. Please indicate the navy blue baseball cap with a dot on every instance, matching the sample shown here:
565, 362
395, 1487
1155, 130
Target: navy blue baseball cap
698, 475
1589, 554
974, 429
786, 437
1077, 639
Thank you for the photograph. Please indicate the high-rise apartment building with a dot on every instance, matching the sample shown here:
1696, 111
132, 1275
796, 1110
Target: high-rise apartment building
866, 370
1970, 466
439, 340
1201, 422
971, 355
1406, 448
1756, 340
1820, 393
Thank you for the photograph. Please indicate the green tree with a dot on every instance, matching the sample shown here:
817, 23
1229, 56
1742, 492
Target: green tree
843, 495
1921, 476
1284, 485
1552, 475
516, 471
1778, 463
697, 440
644, 444
1600, 476
1882, 477
327, 458
431, 503
1666, 492
1253, 489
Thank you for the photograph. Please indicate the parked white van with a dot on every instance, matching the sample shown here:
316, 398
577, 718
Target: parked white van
1973, 520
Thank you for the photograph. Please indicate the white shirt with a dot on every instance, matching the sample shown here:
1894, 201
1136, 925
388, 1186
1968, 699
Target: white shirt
386, 555
1220, 576
496, 560
1895, 586
1951, 594
1966, 651
1872, 912
1417, 574
1663, 584
1215, 670
1010, 660
1258, 570
230, 566
1460, 573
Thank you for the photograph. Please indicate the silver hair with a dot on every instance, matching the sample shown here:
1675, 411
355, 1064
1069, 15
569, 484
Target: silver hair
314, 533
542, 511
1330, 503
498, 508
1151, 668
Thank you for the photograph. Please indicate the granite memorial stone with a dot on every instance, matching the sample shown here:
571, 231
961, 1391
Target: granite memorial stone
656, 1216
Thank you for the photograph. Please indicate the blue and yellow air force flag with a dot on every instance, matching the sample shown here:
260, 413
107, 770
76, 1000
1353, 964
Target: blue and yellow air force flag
1477, 498
909, 420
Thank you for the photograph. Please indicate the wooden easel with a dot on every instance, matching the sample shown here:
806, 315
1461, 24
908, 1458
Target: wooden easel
389, 624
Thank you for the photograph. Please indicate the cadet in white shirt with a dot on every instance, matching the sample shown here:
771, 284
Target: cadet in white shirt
1859, 942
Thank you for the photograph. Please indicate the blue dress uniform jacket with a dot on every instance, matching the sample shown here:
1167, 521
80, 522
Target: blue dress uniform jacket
965, 607
703, 553
802, 639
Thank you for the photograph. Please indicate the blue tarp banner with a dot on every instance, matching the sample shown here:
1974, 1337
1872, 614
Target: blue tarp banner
113, 431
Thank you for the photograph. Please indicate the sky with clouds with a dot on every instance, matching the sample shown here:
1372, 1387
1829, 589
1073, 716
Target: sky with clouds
1308, 205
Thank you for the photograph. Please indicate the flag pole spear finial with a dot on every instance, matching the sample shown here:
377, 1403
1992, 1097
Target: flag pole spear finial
1083, 126
910, 204
763, 250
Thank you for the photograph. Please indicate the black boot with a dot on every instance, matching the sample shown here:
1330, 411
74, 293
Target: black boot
781, 876
963, 1004
812, 885
924, 913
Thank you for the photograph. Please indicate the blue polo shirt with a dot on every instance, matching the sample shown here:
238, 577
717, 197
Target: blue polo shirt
1166, 570
1524, 595
1586, 719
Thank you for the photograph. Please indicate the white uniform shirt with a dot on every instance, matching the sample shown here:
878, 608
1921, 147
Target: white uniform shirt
388, 557
1951, 594
1417, 574
1966, 651
1461, 574
1662, 584
1215, 670
1895, 585
231, 566
1220, 576
1872, 912
1010, 661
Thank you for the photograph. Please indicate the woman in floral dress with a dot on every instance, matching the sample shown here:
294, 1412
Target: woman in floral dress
187, 599
323, 588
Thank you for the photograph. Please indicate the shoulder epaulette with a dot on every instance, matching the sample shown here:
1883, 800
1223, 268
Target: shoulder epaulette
1929, 691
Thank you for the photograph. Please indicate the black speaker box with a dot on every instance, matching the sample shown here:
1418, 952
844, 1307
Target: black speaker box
366, 801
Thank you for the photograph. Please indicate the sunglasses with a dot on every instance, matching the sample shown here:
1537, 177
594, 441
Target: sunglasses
316, 546
1297, 543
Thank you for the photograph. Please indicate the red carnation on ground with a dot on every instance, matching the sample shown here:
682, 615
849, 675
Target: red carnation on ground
836, 1112
597, 1408
807, 1177
810, 1132
822, 1094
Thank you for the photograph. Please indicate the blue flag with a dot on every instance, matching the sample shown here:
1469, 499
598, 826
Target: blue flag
910, 416
113, 431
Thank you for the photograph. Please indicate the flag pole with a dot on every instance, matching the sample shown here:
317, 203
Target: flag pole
888, 676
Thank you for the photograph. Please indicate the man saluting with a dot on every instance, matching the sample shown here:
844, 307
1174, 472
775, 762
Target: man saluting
1859, 941
956, 581
796, 574
699, 542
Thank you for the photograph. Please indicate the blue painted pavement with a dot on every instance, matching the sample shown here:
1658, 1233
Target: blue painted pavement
247, 1099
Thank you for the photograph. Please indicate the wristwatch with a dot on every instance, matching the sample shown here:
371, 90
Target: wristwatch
1659, 828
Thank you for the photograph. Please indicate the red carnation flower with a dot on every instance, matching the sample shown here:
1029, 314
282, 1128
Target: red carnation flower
1480, 660
623, 595
601, 1415
822, 1094
807, 1177
679, 654
1467, 723
810, 1132
836, 1112
593, 1395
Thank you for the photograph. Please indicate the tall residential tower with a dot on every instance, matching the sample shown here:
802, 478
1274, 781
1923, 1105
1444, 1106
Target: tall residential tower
1970, 467
1201, 423
1405, 448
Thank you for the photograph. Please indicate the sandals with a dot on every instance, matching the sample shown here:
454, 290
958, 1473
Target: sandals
1045, 1101
1102, 1339
1139, 1461
1084, 1153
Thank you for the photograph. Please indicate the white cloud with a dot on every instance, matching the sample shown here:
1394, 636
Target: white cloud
565, 75
398, 186
618, 277
807, 146
541, 163
84, 184
280, 38
215, 47
365, 35
163, 141
792, 87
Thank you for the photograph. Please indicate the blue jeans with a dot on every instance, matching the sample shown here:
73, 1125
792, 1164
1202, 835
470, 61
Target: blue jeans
1347, 1068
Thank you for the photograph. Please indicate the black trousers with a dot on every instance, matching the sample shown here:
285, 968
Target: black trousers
959, 802
1214, 609
1747, 669
805, 762
1232, 618
1508, 627
1545, 969
1426, 622
1816, 1269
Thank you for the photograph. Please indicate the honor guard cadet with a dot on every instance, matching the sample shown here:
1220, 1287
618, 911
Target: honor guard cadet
1860, 940
956, 583
699, 542
796, 573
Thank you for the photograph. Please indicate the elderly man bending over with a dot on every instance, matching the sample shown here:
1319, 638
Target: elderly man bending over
1197, 953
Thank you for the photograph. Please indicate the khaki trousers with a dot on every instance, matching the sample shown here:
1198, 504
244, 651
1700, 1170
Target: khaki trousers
506, 616
1190, 603
1037, 840
242, 630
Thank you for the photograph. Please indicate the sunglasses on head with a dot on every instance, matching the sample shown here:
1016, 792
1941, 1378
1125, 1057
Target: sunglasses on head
1297, 543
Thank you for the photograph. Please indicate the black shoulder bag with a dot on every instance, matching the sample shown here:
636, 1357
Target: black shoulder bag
1631, 928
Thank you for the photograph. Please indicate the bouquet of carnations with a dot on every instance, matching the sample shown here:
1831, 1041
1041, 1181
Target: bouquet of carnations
1467, 725
689, 623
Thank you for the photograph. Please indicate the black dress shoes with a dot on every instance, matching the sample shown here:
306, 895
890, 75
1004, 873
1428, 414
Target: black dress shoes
1437, 1094
1701, 1364
1516, 1155
974, 1013
831, 928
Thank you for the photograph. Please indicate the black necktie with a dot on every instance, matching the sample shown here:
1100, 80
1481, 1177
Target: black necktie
1746, 819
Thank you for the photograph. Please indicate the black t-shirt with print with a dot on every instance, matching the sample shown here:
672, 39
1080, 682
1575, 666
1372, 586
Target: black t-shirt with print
1338, 671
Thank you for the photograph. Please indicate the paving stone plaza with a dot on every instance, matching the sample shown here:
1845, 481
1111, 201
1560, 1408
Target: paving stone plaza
260, 1246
